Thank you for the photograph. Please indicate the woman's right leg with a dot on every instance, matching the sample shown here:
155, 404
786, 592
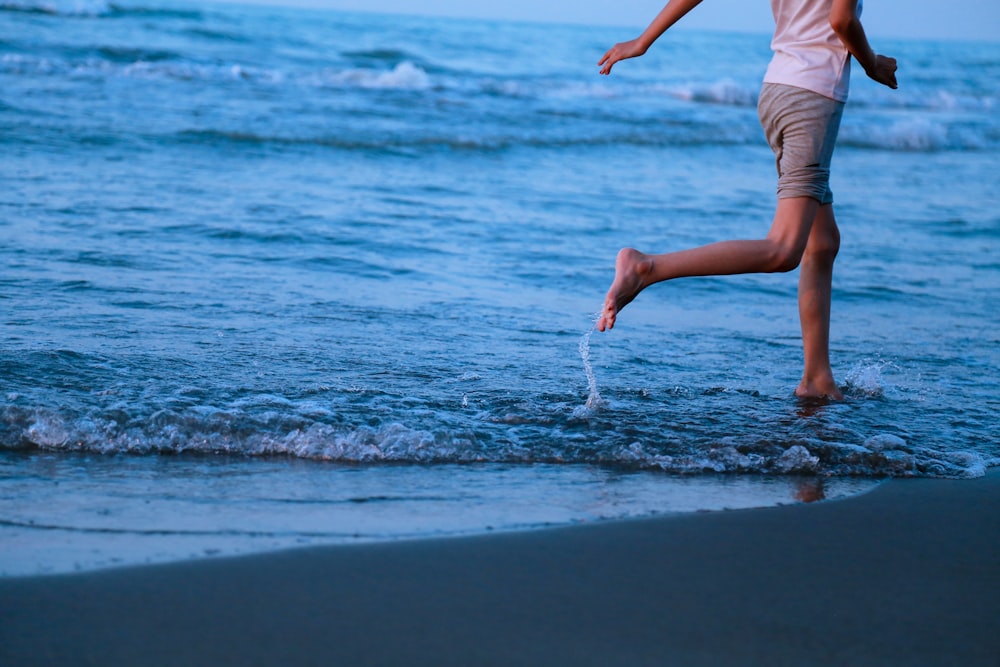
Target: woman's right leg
781, 250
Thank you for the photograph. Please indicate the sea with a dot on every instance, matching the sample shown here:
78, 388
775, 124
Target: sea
274, 277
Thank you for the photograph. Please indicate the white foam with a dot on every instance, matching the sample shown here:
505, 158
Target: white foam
884, 441
724, 91
797, 459
189, 71
275, 432
918, 134
404, 76
48, 432
925, 100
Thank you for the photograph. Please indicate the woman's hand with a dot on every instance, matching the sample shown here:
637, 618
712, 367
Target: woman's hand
884, 71
669, 15
620, 51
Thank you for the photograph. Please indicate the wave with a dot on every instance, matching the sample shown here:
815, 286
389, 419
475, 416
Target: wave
137, 64
404, 76
143, 63
93, 9
418, 141
203, 33
458, 143
725, 92
728, 92
388, 56
920, 135
910, 136
685, 122
929, 100
121, 54
400, 70
81, 8
236, 433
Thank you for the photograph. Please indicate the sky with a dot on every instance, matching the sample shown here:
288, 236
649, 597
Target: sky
911, 19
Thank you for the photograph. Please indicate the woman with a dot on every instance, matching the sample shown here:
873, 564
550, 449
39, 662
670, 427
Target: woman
800, 106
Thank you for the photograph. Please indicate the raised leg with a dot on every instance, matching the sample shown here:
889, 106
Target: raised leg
781, 250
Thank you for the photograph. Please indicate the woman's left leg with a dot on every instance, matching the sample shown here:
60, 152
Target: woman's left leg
815, 289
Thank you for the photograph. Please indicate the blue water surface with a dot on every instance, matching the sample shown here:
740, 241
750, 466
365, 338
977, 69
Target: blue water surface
275, 235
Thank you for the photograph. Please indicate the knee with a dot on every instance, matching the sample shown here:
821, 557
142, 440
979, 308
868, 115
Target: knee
823, 250
783, 258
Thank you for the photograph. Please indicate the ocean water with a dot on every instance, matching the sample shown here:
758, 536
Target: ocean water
273, 276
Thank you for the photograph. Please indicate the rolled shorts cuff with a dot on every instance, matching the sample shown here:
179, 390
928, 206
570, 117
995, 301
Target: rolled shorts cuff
801, 127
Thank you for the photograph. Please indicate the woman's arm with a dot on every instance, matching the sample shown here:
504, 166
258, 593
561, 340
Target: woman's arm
669, 15
846, 24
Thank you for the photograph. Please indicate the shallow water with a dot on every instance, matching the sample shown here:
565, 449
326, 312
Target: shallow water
278, 240
66, 513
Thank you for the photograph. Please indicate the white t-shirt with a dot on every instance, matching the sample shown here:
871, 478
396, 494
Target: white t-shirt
807, 53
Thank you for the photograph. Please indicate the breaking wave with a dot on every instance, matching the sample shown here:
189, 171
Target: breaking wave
613, 125
93, 9
287, 433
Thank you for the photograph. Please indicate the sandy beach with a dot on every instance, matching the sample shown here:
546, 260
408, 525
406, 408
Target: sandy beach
908, 574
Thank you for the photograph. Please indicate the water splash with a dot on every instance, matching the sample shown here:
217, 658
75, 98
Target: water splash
866, 378
594, 400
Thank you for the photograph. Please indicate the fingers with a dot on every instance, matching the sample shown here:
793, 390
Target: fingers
607, 61
886, 71
619, 51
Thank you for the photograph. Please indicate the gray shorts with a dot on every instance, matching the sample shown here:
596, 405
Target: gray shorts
801, 127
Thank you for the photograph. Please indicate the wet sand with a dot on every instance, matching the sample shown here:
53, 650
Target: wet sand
908, 574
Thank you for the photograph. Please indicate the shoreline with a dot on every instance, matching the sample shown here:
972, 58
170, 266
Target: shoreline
907, 573
90, 529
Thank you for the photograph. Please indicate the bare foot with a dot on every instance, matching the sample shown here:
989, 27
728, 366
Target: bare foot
631, 272
825, 388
